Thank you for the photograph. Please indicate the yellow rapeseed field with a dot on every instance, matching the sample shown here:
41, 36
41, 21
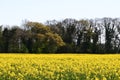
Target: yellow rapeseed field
59, 67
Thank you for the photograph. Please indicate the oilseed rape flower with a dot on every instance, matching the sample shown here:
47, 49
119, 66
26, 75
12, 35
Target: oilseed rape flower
59, 67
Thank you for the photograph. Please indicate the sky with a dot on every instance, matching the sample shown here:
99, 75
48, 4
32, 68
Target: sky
14, 12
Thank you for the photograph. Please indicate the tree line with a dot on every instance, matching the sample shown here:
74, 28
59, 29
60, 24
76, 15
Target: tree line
100, 35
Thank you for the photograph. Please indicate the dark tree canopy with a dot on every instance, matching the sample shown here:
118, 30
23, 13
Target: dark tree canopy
66, 36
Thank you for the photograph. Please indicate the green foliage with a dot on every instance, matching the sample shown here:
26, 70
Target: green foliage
69, 35
44, 40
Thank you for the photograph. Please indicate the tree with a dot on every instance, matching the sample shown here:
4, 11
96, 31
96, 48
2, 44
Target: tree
109, 34
42, 39
84, 36
69, 35
16, 45
95, 40
6, 38
1, 41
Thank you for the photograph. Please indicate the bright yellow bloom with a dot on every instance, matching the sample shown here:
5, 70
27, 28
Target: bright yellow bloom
59, 67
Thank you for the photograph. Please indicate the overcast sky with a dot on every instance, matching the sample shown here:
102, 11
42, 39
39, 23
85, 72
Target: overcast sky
13, 12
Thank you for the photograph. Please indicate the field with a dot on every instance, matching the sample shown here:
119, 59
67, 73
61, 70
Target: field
59, 67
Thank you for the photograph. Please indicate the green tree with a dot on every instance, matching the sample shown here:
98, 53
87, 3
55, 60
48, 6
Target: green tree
1, 41
95, 38
15, 42
109, 34
5, 38
43, 39
85, 33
